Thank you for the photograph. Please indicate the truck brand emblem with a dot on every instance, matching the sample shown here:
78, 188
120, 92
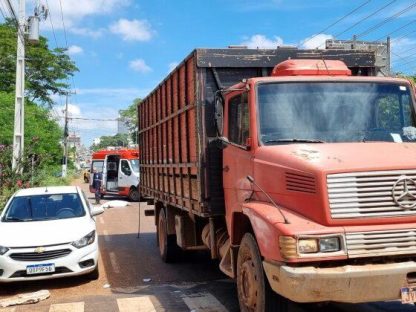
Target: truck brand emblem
402, 195
39, 250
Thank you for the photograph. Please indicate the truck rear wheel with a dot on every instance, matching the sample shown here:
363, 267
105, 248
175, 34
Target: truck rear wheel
167, 243
254, 291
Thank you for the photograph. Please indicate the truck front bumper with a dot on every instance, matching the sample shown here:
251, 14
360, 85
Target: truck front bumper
349, 283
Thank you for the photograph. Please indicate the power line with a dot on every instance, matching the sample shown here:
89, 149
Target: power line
365, 18
63, 23
20, 32
337, 21
385, 21
396, 30
53, 28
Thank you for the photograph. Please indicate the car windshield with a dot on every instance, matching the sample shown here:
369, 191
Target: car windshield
316, 112
44, 207
134, 165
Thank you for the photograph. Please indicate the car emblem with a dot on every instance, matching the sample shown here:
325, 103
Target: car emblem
39, 250
402, 195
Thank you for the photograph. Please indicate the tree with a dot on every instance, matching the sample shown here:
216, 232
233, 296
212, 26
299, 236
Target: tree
130, 117
120, 139
46, 69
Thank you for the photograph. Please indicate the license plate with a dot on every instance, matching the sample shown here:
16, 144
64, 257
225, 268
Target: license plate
40, 268
408, 294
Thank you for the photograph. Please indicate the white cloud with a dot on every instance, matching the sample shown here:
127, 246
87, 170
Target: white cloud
74, 49
315, 41
74, 14
140, 66
172, 66
262, 42
82, 31
132, 30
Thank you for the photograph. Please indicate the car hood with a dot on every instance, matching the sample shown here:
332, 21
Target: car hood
43, 233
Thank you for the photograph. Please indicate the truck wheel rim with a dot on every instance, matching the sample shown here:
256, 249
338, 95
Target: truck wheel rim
249, 284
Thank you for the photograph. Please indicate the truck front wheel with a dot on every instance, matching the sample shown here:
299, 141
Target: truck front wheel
167, 243
134, 194
254, 292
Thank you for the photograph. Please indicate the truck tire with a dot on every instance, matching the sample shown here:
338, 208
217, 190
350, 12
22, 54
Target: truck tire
254, 291
167, 243
134, 195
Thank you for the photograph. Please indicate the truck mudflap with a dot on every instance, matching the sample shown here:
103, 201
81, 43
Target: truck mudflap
349, 283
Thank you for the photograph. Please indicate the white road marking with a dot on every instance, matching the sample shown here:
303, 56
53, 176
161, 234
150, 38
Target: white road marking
204, 302
67, 307
136, 304
114, 263
107, 237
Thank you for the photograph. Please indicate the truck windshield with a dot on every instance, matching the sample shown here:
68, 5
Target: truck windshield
315, 112
134, 165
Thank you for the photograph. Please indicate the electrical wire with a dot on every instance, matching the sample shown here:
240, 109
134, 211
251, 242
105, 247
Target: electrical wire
385, 21
20, 31
63, 23
337, 21
53, 28
365, 18
396, 30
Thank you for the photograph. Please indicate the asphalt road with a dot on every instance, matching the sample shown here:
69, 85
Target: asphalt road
133, 278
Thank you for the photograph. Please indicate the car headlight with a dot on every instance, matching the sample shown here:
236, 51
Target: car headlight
85, 241
3, 250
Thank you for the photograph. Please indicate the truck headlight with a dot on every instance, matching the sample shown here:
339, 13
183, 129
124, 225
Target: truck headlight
3, 250
292, 248
329, 244
308, 245
85, 241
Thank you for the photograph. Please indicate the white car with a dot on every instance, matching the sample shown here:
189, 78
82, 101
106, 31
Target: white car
48, 232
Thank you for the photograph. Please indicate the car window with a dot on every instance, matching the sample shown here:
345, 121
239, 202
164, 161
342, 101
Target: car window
44, 207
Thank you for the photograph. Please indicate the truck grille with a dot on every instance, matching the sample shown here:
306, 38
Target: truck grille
381, 243
367, 194
34, 256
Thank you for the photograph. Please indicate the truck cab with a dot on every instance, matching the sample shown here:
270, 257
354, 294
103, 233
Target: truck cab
323, 166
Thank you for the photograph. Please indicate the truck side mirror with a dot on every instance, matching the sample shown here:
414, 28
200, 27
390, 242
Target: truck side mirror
219, 114
224, 142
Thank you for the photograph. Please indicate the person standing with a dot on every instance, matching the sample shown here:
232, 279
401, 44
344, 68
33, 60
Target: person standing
97, 181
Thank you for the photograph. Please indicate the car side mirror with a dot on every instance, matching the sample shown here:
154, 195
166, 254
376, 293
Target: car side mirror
95, 211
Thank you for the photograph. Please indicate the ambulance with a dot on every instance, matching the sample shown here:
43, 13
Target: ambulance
120, 169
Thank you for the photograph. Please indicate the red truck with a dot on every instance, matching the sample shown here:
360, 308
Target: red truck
295, 168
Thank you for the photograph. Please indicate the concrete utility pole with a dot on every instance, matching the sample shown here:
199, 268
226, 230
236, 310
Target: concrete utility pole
19, 111
65, 159
19, 108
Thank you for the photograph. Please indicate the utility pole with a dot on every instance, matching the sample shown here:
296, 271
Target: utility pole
66, 133
65, 159
19, 110
19, 107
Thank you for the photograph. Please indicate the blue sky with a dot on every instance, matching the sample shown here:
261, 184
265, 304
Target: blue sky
124, 48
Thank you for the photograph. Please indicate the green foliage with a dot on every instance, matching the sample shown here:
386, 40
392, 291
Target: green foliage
38, 127
46, 69
130, 115
115, 140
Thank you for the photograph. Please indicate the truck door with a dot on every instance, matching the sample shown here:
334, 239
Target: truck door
104, 182
237, 156
125, 176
